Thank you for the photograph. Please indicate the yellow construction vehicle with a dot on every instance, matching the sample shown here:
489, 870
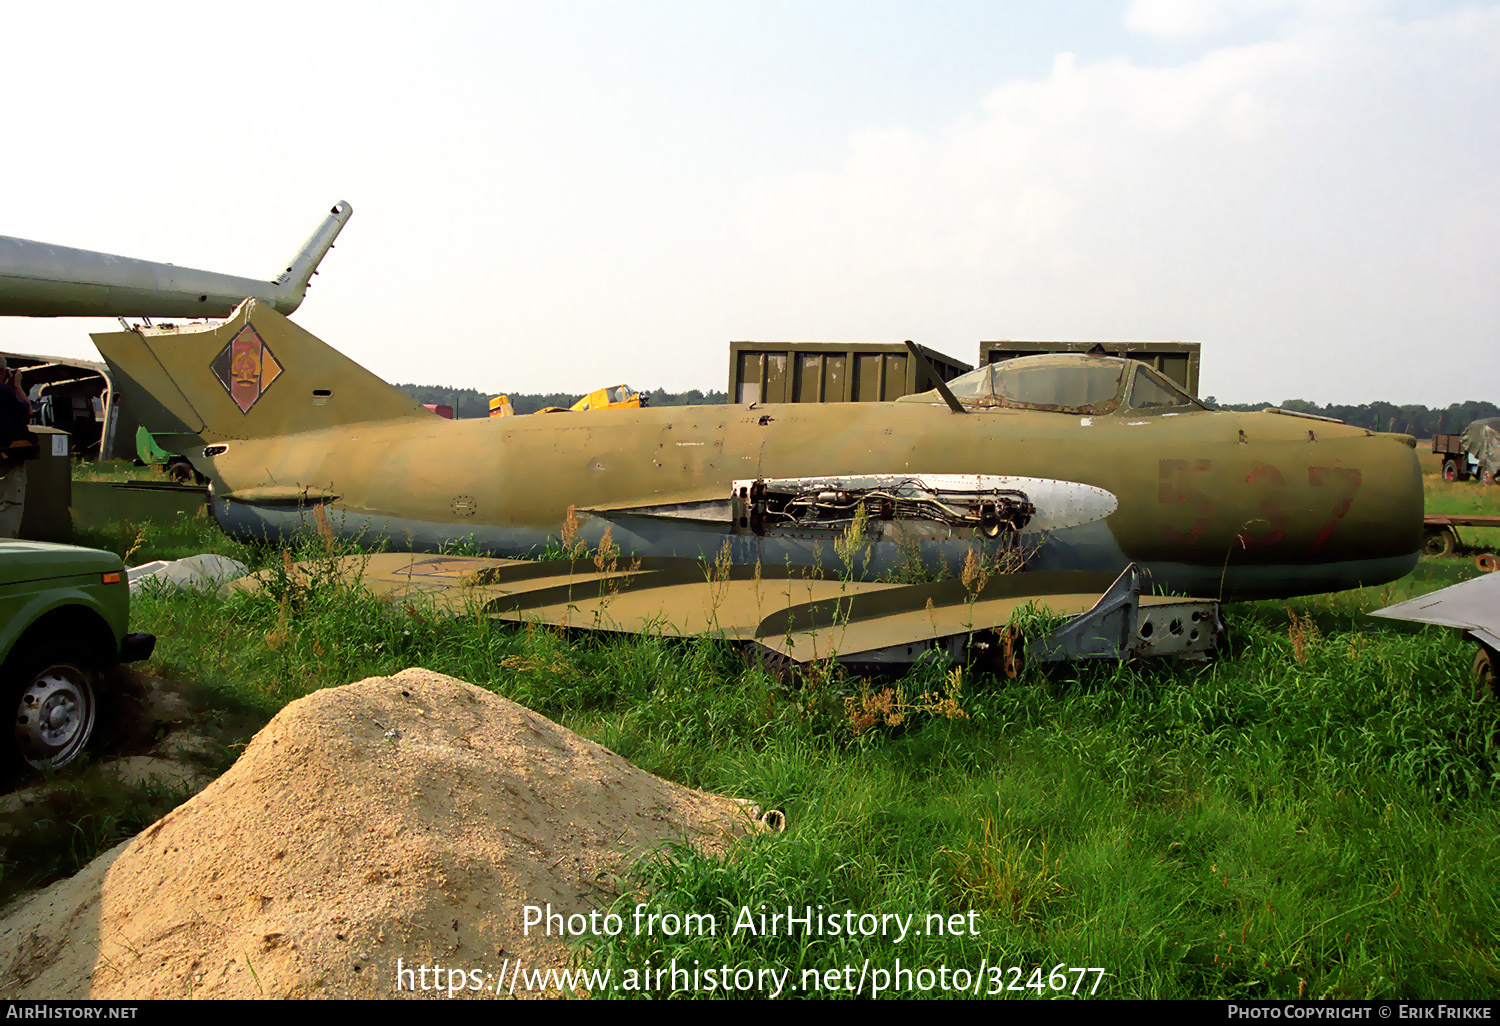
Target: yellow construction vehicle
615, 397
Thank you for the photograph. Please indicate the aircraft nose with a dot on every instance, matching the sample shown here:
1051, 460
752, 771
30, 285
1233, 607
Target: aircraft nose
1381, 517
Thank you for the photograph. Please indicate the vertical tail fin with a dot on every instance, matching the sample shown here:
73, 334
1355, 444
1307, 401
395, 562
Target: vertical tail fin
252, 376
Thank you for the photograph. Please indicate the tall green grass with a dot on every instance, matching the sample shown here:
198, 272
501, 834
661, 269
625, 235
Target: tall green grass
1466, 498
1311, 813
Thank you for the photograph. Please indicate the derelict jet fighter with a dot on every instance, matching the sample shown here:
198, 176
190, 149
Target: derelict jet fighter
1045, 463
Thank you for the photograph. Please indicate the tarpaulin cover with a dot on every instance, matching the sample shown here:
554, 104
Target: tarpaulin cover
1482, 441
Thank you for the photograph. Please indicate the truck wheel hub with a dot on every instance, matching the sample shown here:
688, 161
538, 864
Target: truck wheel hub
54, 719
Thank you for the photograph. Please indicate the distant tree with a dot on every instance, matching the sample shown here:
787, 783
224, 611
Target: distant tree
466, 402
692, 397
1410, 419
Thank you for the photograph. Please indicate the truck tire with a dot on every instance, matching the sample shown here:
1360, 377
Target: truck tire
49, 694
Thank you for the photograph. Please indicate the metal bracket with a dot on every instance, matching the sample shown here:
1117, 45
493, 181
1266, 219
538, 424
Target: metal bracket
1117, 627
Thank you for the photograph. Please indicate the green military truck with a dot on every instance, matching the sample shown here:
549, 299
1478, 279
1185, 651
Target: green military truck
1473, 454
174, 465
64, 613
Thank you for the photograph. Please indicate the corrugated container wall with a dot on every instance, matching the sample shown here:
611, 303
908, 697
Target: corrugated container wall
830, 372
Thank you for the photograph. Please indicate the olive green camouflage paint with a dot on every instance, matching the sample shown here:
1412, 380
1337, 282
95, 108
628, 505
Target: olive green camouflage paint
1216, 504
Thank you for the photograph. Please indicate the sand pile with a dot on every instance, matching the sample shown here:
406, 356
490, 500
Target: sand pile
408, 817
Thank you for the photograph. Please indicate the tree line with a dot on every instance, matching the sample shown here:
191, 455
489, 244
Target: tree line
1410, 419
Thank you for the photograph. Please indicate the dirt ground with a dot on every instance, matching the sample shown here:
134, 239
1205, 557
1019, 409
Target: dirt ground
401, 821
154, 732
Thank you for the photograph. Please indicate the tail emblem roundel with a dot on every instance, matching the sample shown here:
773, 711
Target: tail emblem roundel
246, 368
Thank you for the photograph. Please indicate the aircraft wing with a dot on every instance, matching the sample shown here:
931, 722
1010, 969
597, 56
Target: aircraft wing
1472, 605
796, 614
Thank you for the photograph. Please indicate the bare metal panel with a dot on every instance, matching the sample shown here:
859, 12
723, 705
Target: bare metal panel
1473, 606
38, 279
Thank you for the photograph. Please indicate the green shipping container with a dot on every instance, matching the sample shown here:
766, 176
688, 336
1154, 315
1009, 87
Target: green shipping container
831, 372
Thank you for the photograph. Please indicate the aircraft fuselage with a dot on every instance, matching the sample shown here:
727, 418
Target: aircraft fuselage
1214, 504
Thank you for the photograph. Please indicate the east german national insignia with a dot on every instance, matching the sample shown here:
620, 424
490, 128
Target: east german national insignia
246, 368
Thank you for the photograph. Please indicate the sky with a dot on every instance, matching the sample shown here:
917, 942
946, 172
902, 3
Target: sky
552, 197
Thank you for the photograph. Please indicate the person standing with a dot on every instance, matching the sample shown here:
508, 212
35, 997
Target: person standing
15, 415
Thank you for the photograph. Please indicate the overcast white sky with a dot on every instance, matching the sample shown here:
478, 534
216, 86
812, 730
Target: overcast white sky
557, 196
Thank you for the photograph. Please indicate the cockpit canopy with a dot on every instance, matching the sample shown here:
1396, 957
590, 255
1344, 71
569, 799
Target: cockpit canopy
1066, 383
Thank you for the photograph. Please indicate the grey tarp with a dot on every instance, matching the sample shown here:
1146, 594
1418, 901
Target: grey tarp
1482, 441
